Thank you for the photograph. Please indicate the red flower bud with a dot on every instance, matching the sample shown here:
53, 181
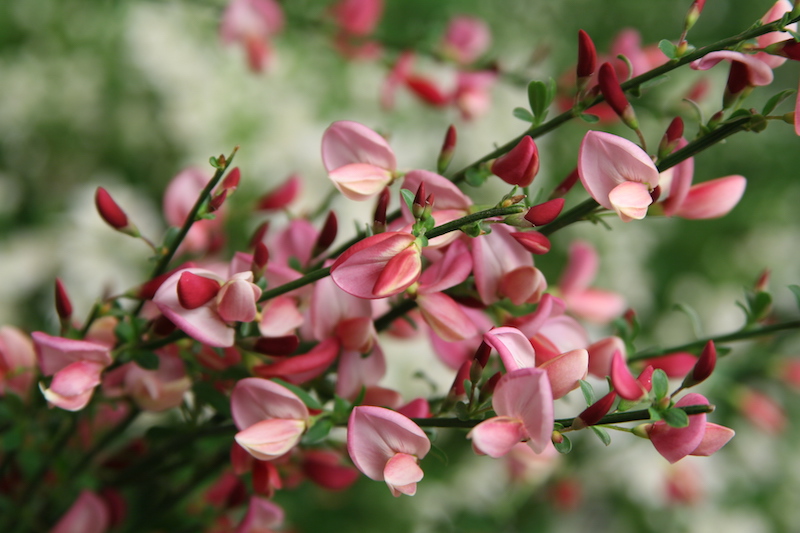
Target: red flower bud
217, 201
327, 235
418, 207
615, 97
671, 136
448, 148
427, 91
195, 291
482, 354
545, 213
491, 383
565, 186
587, 55
520, 165
788, 48
63, 305
260, 260
259, 233
533, 241
738, 81
379, 220
704, 366
458, 383
231, 181
281, 196
595, 412
112, 214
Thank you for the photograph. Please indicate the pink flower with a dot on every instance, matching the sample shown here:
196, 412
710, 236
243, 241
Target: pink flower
270, 418
597, 305
179, 198
88, 514
617, 174
746, 71
203, 304
358, 18
777, 11
152, 390
523, 402
379, 266
472, 94
17, 362
466, 39
262, 515
712, 199
385, 446
359, 161
252, 23
520, 165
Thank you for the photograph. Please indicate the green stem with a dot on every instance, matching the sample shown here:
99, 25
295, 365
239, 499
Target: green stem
454, 225
719, 339
311, 277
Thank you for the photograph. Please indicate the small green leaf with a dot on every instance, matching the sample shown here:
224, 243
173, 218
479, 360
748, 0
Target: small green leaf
523, 114
668, 48
537, 97
660, 384
146, 359
461, 411
341, 408
307, 399
760, 305
214, 162
473, 230
124, 331
796, 291
776, 100
676, 417
318, 432
551, 91
602, 434
590, 119
475, 176
565, 446
654, 413
408, 197
588, 391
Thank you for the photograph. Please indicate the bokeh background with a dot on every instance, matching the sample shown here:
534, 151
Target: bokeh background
124, 95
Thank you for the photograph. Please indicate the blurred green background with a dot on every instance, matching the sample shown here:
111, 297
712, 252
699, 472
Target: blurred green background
126, 94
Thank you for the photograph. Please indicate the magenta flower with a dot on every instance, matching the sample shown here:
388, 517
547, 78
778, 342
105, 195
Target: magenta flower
466, 39
270, 418
359, 161
152, 390
523, 402
777, 10
379, 266
252, 23
203, 304
386, 446
617, 174
358, 18
17, 362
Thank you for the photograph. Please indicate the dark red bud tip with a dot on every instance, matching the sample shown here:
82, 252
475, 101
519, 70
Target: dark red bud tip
738, 81
430, 200
595, 412
587, 55
231, 181
704, 366
645, 379
260, 256
491, 383
427, 91
699, 5
450, 139
259, 234
675, 130
520, 165
612, 92
533, 241
327, 235
109, 210
762, 283
63, 305
458, 383
281, 196
545, 213
482, 354
277, 345
565, 186
194, 290
418, 207
217, 201
655, 194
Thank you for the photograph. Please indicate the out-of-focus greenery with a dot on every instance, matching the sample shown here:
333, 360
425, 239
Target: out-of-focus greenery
126, 94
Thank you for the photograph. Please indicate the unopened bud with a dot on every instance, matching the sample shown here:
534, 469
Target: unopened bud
642, 430
693, 14
327, 235
63, 305
488, 388
418, 207
448, 149
565, 186
738, 83
278, 346
533, 241
615, 97
113, 214
231, 181
281, 196
379, 220
587, 59
195, 291
260, 260
671, 137
482, 354
595, 412
475, 372
426, 214
557, 437
427, 91
704, 366
217, 201
789, 49
259, 234
762, 283
458, 383
520, 165
545, 213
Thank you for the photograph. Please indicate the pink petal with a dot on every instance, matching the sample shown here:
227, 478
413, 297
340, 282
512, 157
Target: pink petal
346, 142
513, 346
356, 371
358, 17
624, 383
301, 368
400, 272
236, 301
758, 72
330, 305
375, 435
55, 353
581, 268
269, 439
402, 473
257, 399
280, 317
17, 361
565, 370
601, 354
262, 515
714, 438
712, 199
525, 394
73, 385
358, 269
360, 181
451, 269
466, 39
448, 195
676, 365
630, 200
595, 305
445, 317
525, 284
675, 182
676, 443
88, 514
493, 256
606, 160
775, 12
496, 436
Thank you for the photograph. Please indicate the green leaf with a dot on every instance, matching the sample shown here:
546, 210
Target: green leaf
523, 114
146, 359
669, 48
588, 391
214, 162
439, 454
565, 446
475, 176
307, 399
124, 331
341, 409
588, 118
206, 393
551, 91
676, 417
796, 291
318, 432
408, 197
760, 305
775, 101
660, 384
462, 413
537, 97
654, 413
602, 434
473, 230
